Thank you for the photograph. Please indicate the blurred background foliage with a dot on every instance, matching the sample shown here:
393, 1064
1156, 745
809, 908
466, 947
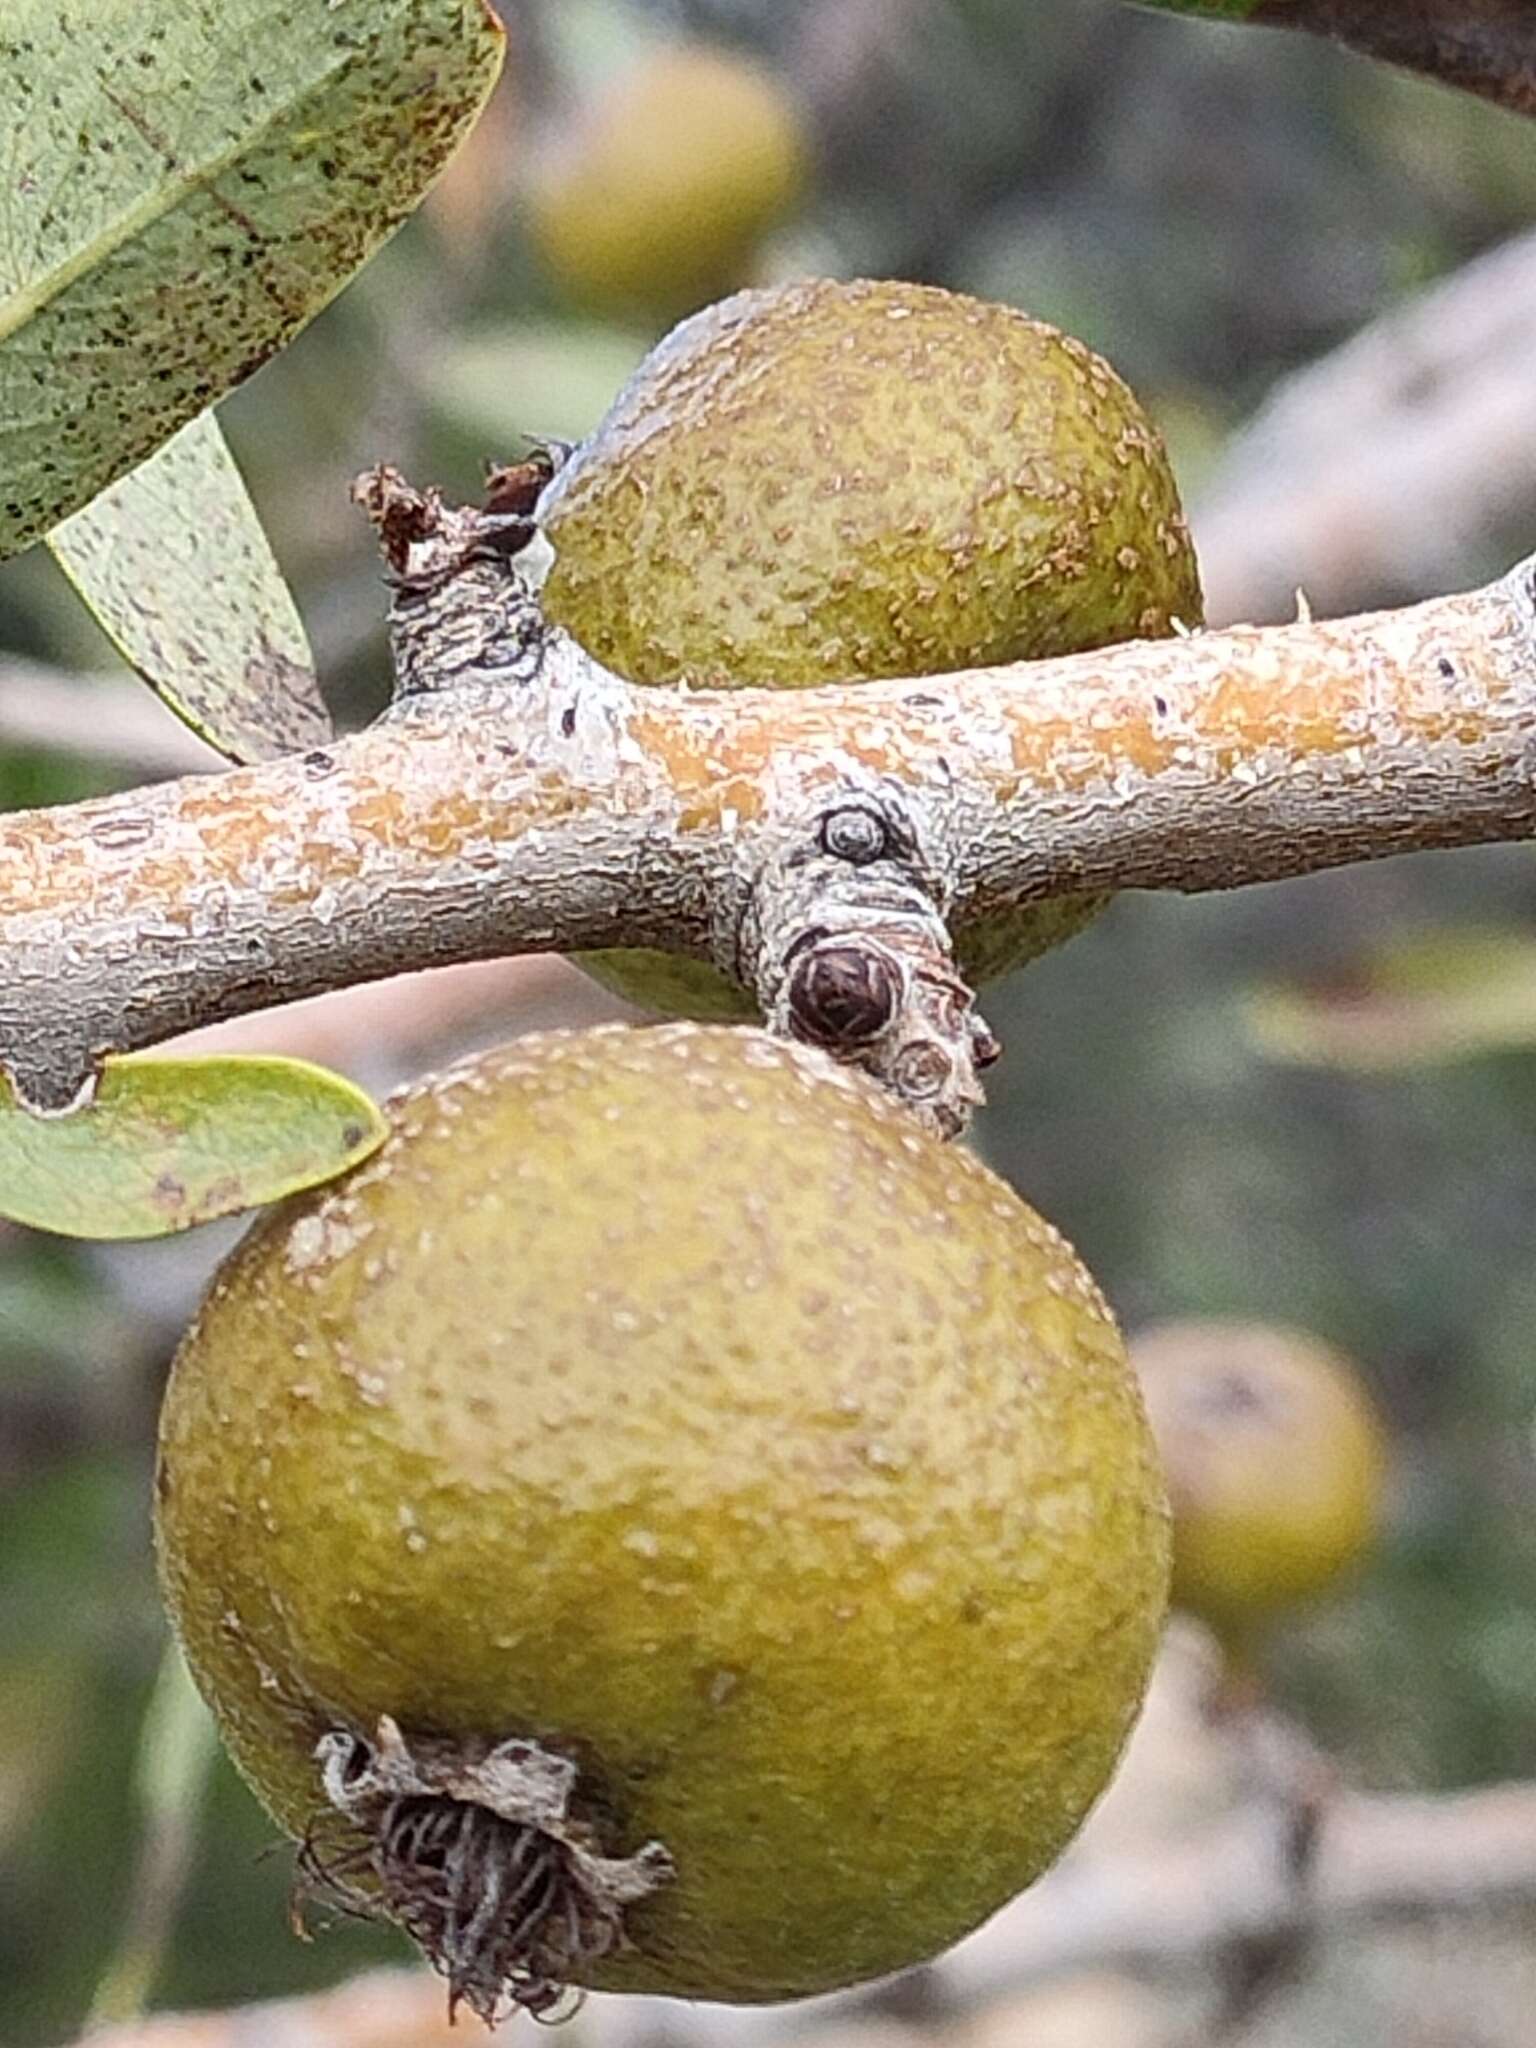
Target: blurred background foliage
1214, 209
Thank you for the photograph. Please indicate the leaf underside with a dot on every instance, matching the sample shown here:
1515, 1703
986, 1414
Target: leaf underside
176, 567
183, 185
167, 1143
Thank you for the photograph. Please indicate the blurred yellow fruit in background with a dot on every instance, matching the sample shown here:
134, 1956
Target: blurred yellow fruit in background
660, 198
1275, 1460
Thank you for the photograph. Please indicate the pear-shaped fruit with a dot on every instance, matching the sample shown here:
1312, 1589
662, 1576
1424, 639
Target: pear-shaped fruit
1275, 1460
834, 482
660, 199
675, 1490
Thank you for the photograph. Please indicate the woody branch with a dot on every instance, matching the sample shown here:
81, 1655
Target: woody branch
822, 846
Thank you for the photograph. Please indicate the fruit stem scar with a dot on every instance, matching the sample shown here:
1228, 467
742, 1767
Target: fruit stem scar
474, 1852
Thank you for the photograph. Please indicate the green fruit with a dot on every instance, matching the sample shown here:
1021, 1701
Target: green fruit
1275, 1460
669, 984
833, 482
671, 1400
829, 481
659, 201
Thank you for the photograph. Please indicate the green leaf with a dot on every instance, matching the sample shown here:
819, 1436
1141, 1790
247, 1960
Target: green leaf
166, 1143
1420, 1002
173, 562
185, 184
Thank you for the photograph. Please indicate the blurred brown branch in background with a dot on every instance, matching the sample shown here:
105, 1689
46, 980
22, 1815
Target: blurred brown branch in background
384, 2009
1171, 1902
1483, 46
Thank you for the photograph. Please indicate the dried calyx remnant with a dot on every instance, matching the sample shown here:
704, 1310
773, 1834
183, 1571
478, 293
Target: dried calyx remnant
457, 611
477, 1857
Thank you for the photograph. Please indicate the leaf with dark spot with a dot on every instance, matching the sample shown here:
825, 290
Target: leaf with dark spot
173, 561
167, 1143
200, 178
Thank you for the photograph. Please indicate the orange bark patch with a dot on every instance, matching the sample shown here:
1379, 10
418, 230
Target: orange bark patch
710, 769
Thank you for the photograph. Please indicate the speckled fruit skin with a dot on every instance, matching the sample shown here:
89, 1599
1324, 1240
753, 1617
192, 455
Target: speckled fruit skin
671, 1397
830, 482
661, 199
1276, 1464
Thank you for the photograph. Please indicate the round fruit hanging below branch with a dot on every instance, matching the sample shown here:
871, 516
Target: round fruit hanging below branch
665, 1522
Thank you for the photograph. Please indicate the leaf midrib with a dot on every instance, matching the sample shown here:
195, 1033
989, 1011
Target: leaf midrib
26, 304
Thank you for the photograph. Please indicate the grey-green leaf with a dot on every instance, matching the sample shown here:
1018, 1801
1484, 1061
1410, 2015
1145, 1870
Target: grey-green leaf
185, 183
174, 563
168, 1142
